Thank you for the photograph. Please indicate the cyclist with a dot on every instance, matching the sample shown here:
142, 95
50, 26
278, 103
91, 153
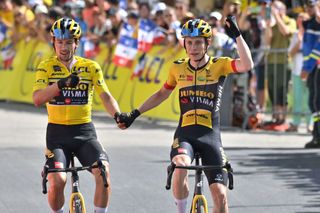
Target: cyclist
200, 81
65, 82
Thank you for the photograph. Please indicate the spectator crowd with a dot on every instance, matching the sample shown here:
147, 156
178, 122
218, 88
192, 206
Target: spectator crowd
273, 30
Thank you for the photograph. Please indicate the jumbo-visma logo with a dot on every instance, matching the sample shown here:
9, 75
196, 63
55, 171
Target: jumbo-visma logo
198, 97
199, 93
184, 100
79, 92
83, 86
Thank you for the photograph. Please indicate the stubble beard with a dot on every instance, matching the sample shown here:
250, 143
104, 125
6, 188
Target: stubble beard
66, 58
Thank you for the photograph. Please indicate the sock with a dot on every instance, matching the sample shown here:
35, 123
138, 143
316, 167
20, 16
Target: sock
181, 205
100, 210
58, 211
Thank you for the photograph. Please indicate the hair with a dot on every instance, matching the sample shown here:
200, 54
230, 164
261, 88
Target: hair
144, 4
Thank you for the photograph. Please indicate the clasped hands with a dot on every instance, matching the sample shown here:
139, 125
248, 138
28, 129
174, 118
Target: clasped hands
124, 120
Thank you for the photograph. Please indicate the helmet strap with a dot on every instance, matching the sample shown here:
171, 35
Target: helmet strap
201, 57
53, 39
207, 46
77, 44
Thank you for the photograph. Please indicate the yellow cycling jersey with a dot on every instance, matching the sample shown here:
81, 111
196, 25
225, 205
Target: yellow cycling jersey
200, 90
72, 105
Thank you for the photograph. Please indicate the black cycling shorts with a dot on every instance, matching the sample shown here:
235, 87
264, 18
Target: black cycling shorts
63, 140
211, 153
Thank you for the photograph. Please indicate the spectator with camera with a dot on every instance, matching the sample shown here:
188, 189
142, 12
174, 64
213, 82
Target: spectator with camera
279, 29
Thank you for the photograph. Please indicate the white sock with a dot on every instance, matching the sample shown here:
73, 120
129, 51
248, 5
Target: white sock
181, 205
58, 211
100, 210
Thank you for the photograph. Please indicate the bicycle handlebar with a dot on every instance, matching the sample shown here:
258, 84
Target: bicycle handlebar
173, 166
46, 170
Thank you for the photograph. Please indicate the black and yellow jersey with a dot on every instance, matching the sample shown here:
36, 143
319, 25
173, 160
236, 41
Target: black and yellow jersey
71, 105
200, 90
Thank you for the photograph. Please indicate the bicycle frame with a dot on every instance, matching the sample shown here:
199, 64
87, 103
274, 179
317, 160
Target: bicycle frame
198, 199
199, 202
76, 201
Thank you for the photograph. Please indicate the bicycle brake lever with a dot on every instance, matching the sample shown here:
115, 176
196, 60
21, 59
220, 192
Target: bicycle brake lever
170, 170
230, 175
44, 174
103, 173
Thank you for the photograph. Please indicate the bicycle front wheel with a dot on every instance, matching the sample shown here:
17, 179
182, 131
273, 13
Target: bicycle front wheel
76, 204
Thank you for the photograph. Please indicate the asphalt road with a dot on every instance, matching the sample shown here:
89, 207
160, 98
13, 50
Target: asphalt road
273, 173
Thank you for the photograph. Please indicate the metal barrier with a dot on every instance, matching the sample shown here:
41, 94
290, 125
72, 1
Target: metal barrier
276, 84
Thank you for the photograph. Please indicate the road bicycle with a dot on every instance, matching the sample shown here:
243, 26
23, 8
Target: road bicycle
76, 201
199, 202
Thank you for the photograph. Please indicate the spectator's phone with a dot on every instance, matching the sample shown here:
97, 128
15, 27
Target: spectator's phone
268, 12
254, 10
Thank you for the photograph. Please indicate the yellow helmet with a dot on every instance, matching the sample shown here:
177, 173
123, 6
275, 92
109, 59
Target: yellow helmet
196, 28
65, 28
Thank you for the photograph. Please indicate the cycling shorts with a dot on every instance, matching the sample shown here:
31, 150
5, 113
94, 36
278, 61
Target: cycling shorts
211, 153
80, 139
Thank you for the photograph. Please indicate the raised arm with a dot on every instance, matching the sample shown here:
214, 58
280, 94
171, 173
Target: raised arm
244, 63
283, 28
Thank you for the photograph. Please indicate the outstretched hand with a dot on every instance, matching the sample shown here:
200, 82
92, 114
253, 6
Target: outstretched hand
124, 120
232, 27
120, 124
